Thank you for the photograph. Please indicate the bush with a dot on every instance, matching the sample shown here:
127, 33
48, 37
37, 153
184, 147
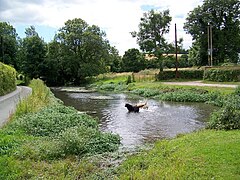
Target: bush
183, 74
7, 79
226, 74
228, 117
51, 121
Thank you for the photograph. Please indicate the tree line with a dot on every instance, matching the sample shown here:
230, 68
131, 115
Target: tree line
80, 50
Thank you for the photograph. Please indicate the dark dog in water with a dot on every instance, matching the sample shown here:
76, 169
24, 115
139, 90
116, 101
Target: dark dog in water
132, 108
135, 108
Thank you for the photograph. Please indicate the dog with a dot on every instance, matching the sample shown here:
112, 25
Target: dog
132, 108
135, 108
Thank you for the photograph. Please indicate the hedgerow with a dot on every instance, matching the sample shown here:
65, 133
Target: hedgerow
183, 74
226, 74
7, 79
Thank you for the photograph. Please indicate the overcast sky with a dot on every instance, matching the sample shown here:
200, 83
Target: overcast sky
116, 17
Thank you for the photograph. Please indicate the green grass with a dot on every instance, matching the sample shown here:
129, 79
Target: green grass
205, 154
48, 140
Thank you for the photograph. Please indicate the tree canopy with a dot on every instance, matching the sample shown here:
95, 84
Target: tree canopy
224, 18
152, 28
133, 61
8, 43
32, 54
80, 50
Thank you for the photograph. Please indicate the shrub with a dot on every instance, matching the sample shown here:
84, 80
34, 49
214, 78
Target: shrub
183, 74
228, 117
81, 140
52, 120
7, 79
226, 74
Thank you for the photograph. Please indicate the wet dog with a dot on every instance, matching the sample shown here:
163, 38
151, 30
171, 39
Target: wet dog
135, 108
132, 108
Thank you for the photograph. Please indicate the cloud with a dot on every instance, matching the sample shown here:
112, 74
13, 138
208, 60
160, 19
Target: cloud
116, 17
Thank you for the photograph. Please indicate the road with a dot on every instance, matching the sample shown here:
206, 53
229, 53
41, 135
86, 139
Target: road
9, 102
199, 83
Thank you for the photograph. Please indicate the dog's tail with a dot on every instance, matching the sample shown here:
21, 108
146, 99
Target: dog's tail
141, 105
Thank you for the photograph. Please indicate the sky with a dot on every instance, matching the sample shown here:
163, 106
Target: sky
116, 17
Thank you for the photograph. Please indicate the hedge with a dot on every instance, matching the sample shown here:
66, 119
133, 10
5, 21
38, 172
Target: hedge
222, 74
7, 79
183, 74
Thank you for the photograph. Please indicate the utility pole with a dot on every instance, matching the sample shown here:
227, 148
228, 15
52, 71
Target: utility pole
210, 46
176, 52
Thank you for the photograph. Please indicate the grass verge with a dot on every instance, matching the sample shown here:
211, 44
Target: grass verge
48, 140
207, 154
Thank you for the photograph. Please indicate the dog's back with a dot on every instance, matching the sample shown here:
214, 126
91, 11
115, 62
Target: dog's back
132, 108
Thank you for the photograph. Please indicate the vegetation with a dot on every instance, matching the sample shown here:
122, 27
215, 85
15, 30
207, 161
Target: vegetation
223, 74
205, 154
150, 37
7, 79
183, 74
31, 54
8, 44
133, 61
50, 137
223, 17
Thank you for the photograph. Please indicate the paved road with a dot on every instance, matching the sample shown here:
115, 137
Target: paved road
199, 83
8, 102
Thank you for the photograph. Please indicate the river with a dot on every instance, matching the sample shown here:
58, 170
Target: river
161, 119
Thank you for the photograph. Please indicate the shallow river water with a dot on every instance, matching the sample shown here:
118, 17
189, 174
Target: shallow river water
160, 120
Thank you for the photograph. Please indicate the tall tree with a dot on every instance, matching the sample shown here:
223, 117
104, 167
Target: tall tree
8, 44
33, 54
152, 28
224, 18
84, 50
133, 61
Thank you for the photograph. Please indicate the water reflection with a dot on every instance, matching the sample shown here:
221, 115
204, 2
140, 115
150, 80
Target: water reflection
160, 120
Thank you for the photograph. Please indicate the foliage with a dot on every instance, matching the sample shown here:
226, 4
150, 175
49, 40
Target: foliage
53, 140
41, 96
7, 79
78, 51
223, 16
32, 54
228, 117
133, 61
8, 44
201, 155
225, 74
152, 28
183, 74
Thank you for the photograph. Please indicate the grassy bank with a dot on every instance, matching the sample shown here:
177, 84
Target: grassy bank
207, 154
48, 140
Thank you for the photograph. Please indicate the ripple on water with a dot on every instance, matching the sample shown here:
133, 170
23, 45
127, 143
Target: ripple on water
160, 120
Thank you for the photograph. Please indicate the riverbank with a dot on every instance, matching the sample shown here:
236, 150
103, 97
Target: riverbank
206, 154
47, 140
38, 150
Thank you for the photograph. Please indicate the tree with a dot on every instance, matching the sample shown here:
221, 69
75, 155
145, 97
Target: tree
133, 61
224, 18
152, 28
8, 44
114, 60
33, 54
83, 50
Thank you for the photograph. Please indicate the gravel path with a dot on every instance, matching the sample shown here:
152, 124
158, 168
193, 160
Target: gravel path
199, 83
9, 102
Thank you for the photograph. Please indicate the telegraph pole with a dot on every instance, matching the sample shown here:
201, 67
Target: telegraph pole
176, 52
210, 45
